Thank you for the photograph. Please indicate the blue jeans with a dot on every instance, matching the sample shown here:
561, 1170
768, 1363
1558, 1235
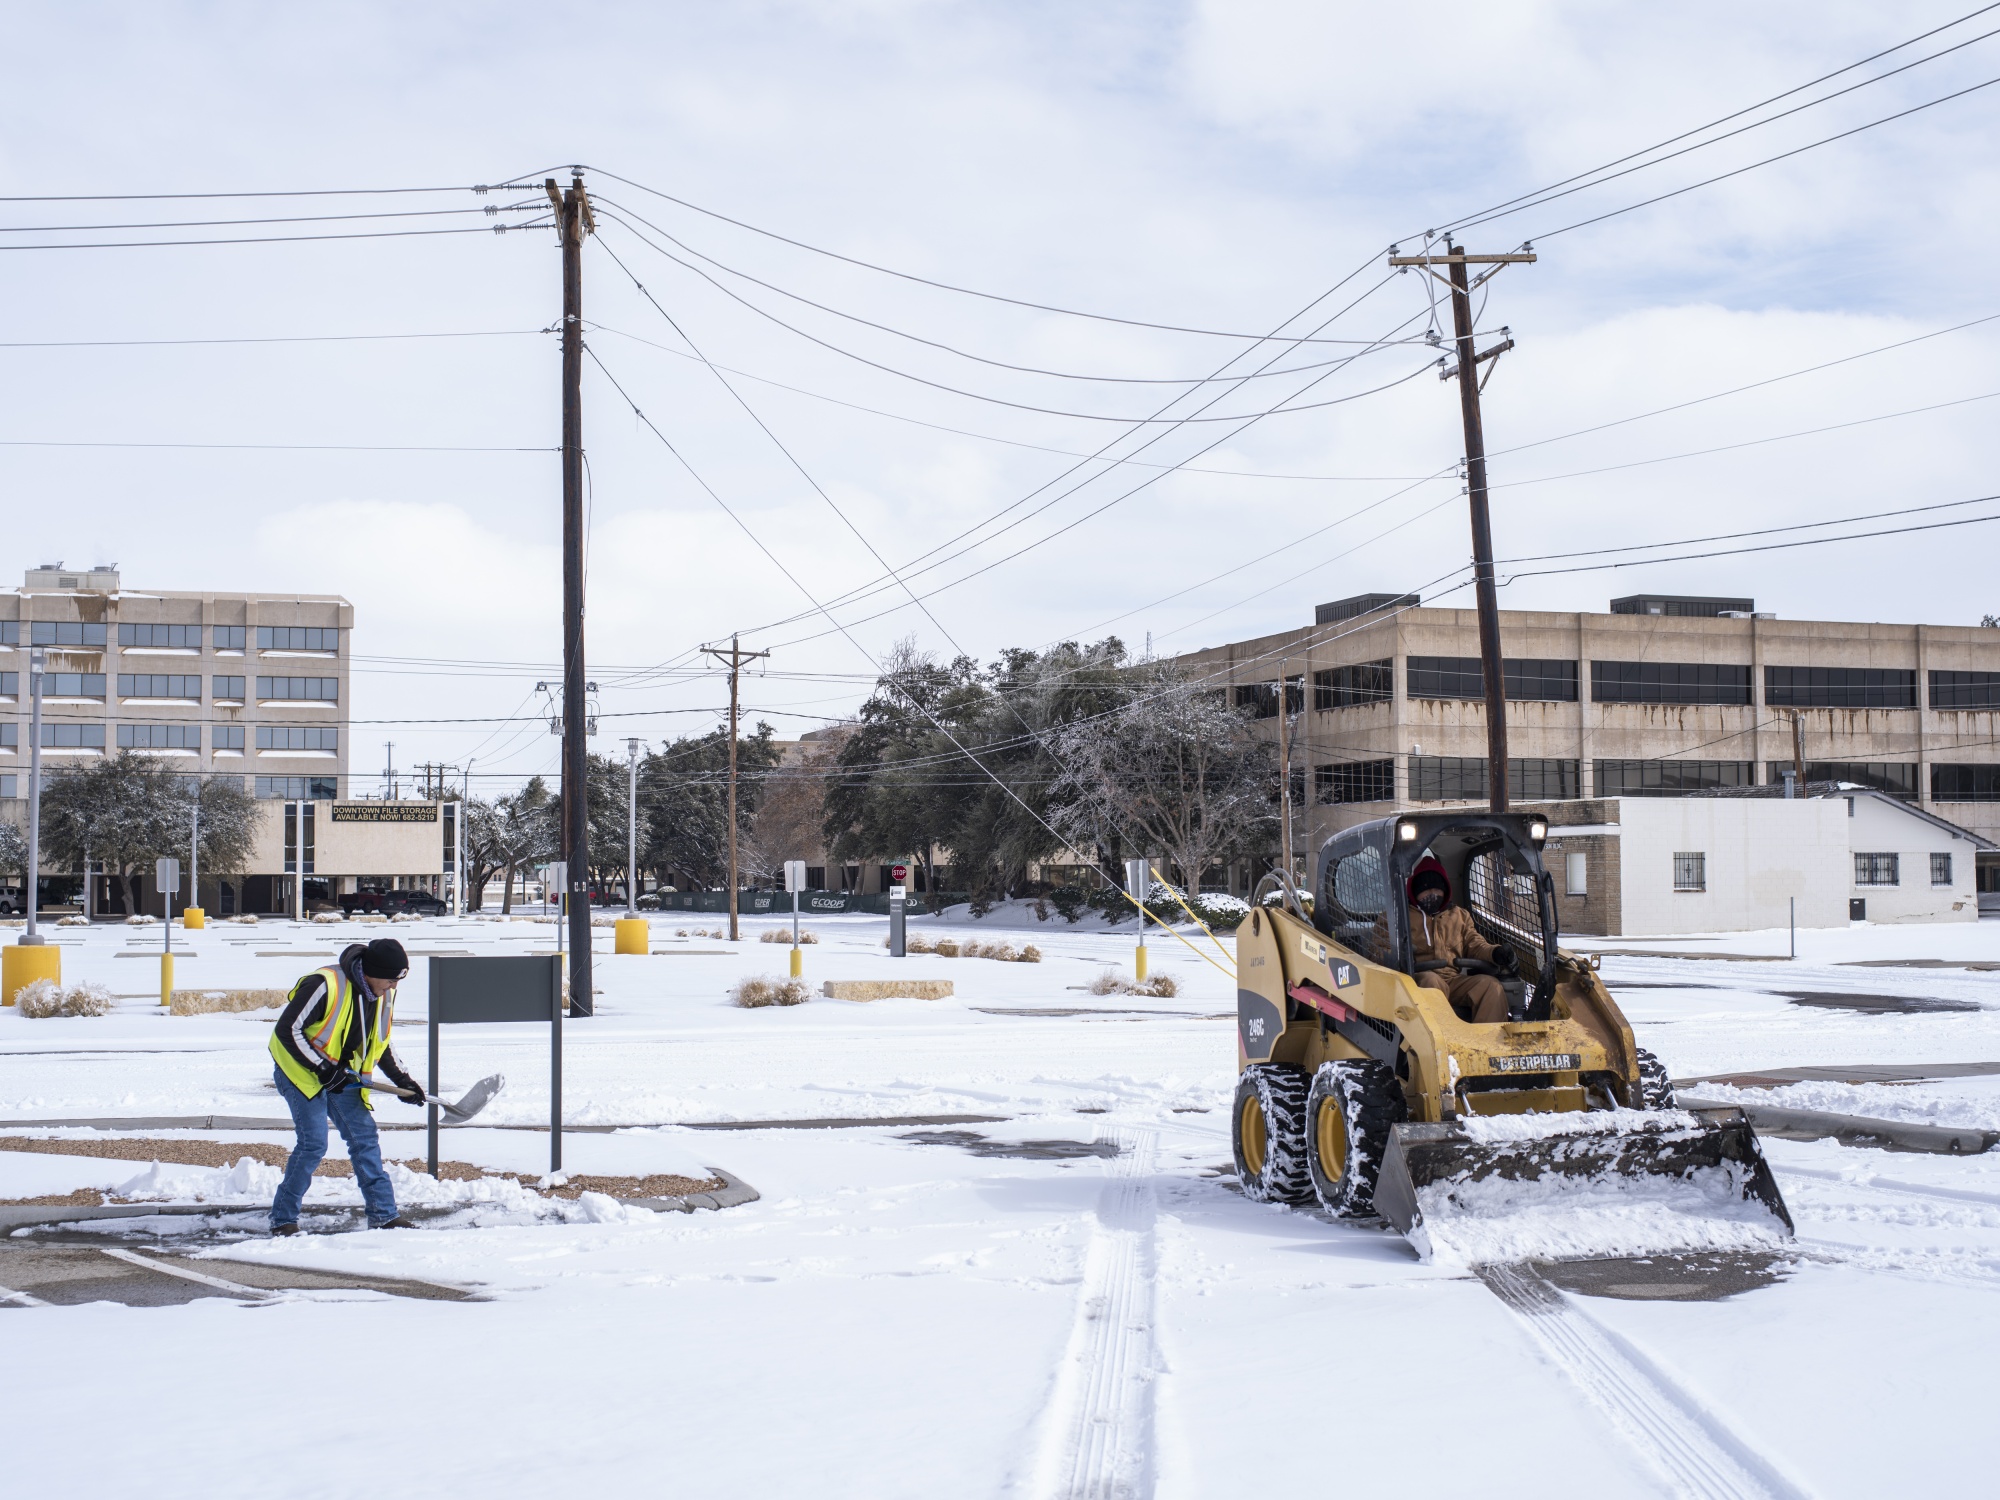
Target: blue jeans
364, 1150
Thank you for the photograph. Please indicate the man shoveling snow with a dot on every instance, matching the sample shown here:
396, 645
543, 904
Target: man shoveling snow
333, 1031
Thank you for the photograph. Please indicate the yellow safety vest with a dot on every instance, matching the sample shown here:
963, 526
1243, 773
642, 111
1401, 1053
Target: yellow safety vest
331, 1037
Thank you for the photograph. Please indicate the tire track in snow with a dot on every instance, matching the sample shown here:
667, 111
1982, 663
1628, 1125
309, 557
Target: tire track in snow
1690, 1445
1098, 1440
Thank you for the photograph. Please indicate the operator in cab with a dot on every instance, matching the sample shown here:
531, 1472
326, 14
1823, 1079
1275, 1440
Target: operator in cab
1443, 933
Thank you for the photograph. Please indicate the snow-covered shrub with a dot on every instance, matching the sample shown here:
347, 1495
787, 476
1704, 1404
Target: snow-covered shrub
784, 935
764, 989
1108, 982
947, 947
243, 918
1111, 982
1029, 954
140, 919
406, 916
73, 920
211, 1002
1220, 910
329, 917
42, 999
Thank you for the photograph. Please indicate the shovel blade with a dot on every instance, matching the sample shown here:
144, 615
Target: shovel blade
1425, 1163
476, 1098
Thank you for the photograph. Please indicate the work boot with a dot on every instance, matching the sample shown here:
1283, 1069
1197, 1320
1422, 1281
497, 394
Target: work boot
399, 1222
284, 1229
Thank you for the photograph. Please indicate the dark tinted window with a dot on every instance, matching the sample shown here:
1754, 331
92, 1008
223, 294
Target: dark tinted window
1344, 687
1668, 682
1445, 677
1531, 780
1840, 687
1965, 690
1897, 778
1355, 781
1669, 778
1447, 778
1965, 783
1527, 678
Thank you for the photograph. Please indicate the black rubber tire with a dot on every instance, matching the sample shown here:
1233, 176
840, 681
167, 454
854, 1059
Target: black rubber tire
1368, 1101
1656, 1086
1271, 1098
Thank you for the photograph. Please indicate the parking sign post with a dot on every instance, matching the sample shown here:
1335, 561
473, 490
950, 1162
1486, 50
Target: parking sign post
795, 881
167, 876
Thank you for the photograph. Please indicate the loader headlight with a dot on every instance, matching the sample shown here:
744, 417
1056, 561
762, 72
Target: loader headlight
1538, 829
1406, 832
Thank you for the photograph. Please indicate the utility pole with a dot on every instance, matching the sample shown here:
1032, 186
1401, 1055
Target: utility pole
1469, 384
1798, 745
1284, 772
735, 656
573, 222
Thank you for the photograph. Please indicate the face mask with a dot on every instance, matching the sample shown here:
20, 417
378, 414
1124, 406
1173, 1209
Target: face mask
1431, 902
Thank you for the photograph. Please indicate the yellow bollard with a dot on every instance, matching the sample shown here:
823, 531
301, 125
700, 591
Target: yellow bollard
1140, 963
166, 979
21, 965
194, 919
798, 962
631, 935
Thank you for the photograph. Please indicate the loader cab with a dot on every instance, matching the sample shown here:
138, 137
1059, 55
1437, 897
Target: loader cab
1495, 865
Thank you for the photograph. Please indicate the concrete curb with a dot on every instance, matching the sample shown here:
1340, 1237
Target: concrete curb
734, 1192
1857, 1130
23, 1216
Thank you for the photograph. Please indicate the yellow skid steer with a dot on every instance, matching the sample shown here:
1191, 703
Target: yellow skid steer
1367, 1088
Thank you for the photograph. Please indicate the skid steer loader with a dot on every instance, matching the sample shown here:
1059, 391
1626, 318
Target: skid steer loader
1366, 1090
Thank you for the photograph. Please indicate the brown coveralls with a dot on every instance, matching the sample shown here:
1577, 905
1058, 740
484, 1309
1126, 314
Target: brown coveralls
1450, 936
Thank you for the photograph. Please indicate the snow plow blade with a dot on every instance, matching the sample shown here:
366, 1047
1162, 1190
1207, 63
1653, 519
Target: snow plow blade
1425, 1167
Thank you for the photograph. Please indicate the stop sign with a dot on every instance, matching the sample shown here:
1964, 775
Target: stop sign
899, 873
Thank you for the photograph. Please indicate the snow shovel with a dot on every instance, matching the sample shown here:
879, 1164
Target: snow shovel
1433, 1170
476, 1098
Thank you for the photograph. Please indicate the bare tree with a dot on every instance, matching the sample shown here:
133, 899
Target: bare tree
1175, 773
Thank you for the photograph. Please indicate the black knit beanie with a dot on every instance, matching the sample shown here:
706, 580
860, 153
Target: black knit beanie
385, 959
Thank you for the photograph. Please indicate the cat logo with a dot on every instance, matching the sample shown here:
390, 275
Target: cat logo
1344, 976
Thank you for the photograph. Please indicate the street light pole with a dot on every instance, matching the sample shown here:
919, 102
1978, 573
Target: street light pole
32, 936
631, 828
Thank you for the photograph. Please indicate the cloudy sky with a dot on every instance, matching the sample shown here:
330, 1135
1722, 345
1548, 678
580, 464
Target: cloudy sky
1232, 170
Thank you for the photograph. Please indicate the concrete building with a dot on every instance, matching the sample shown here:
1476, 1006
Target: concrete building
1661, 696
1650, 866
244, 683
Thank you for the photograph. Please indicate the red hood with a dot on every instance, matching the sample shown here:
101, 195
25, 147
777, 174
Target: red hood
1428, 865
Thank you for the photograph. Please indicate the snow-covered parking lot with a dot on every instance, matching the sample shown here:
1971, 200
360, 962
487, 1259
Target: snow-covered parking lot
1055, 1289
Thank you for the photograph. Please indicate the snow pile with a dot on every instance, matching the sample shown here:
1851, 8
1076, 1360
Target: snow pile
1507, 1129
1956, 1103
164, 1182
1498, 1220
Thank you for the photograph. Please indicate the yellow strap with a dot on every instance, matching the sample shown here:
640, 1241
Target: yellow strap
1191, 916
1143, 914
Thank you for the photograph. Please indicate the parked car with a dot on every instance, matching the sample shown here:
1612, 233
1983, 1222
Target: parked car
421, 903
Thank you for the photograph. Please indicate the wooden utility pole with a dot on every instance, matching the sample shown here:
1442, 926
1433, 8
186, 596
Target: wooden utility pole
573, 222
1284, 769
1798, 746
735, 656
1487, 597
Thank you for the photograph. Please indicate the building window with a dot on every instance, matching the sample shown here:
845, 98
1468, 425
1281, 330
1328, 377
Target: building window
1965, 783
10, 736
1576, 875
159, 736
226, 737
1690, 872
1447, 778
158, 685
10, 632
73, 684
1344, 687
1840, 687
10, 684
9, 785
72, 736
227, 637
1699, 682
1965, 690
296, 737
297, 638
1355, 781
230, 688
297, 788
1669, 778
65, 633
1260, 699
1940, 869
318, 689
1532, 680
177, 637
1533, 780
1897, 778
1877, 869
1444, 677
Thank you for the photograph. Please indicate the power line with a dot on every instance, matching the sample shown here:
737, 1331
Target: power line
276, 239
413, 213
272, 447
299, 338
